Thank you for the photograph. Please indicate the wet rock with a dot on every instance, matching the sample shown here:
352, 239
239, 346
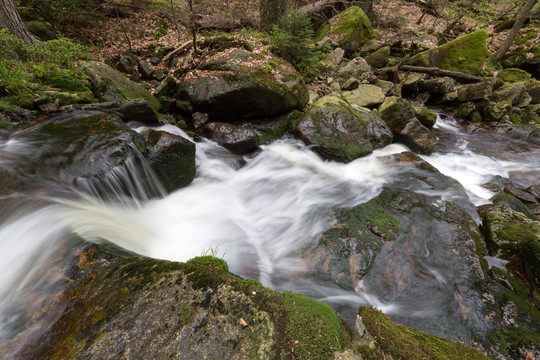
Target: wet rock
514, 203
365, 95
63, 98
354, 69
339, 131
467, 53
237, 139
465, 109
517, 95
534, 190
171, 157
199, 119
108, 84
166, 87
437, 86
495, 112
400, 117
78, 147
379, 58
129, 110
350, 29
520, 194
247, 90
482, 90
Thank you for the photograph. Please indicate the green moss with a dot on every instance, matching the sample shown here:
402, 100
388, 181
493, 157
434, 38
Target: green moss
353, 27
513, 75
400, 342
467, 53
7, 124
209, 261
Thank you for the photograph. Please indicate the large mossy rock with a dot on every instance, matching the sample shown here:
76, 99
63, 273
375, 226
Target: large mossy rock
140, 308
172, 158
400, 117
339, 131
365, 95
109, 84
511, 234
245, 85
350, 29
467, 53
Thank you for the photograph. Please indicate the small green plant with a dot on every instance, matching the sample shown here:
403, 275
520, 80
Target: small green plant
292, 39
162, 29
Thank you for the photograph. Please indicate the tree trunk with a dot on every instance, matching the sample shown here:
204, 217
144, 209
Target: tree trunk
523, 14
9, 19
271, 11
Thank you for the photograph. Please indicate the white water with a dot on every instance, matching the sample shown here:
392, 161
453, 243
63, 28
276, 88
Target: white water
256, 217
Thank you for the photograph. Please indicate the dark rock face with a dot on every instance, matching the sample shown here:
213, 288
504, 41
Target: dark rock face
437, 86
478, 91
237, 139
172, 157
246, 90
130, 110
338, 131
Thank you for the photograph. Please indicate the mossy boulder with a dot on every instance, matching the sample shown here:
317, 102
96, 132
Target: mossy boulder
339, 131
384, 339
355, 68
129, 110
426, 117
516, 94
533, 89
109, 84
379, 58
350, 29
172, 158
202, 311
437, 86
400, 117
470, 92
247, 86
467, 53
365, 95
513, 236
513, 75
41, 30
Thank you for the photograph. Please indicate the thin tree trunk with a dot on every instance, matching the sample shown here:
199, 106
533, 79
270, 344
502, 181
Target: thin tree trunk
193, 28
515, 30
271, 11
9, 19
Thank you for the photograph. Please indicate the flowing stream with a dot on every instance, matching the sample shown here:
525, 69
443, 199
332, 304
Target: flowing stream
256, 213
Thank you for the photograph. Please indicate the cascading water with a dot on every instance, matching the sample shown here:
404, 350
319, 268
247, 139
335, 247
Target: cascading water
256, 216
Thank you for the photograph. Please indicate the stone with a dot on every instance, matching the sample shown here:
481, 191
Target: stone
513, 75
63, 98
481, 90
475, 117
248, 89
496, 111
159, 74
520, 194
399, 115
237, 139
467, 53
517, 95
127, 63
129, 110
166, 88
338, 131
171, 157
411, 82
379, 58
334, 59
386, 86
350, 84
465, 109
354, 68
145, 69
365, 95
108, 84
41, 30
424, 115
513, 234
350, 29
199, 119
514, 203
437, 86
533, 89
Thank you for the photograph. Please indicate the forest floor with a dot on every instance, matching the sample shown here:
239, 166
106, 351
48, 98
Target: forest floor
164, 23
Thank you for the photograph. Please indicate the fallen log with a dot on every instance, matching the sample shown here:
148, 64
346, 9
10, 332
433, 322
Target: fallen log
177, 51
462, 77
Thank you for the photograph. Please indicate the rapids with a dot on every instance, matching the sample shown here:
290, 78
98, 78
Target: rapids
256, 213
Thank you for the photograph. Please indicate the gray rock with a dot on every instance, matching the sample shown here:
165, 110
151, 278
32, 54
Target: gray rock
127, 63
366, 95
108, 84
159, 74
437, 86
236, 139
482, 90
516, 94
354, 68
465, 109
385, 86
335, 58
145, 69
411, 82
350, 84
167, 87
199, 119
533, 89
339, 131
129, 110
379, 58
